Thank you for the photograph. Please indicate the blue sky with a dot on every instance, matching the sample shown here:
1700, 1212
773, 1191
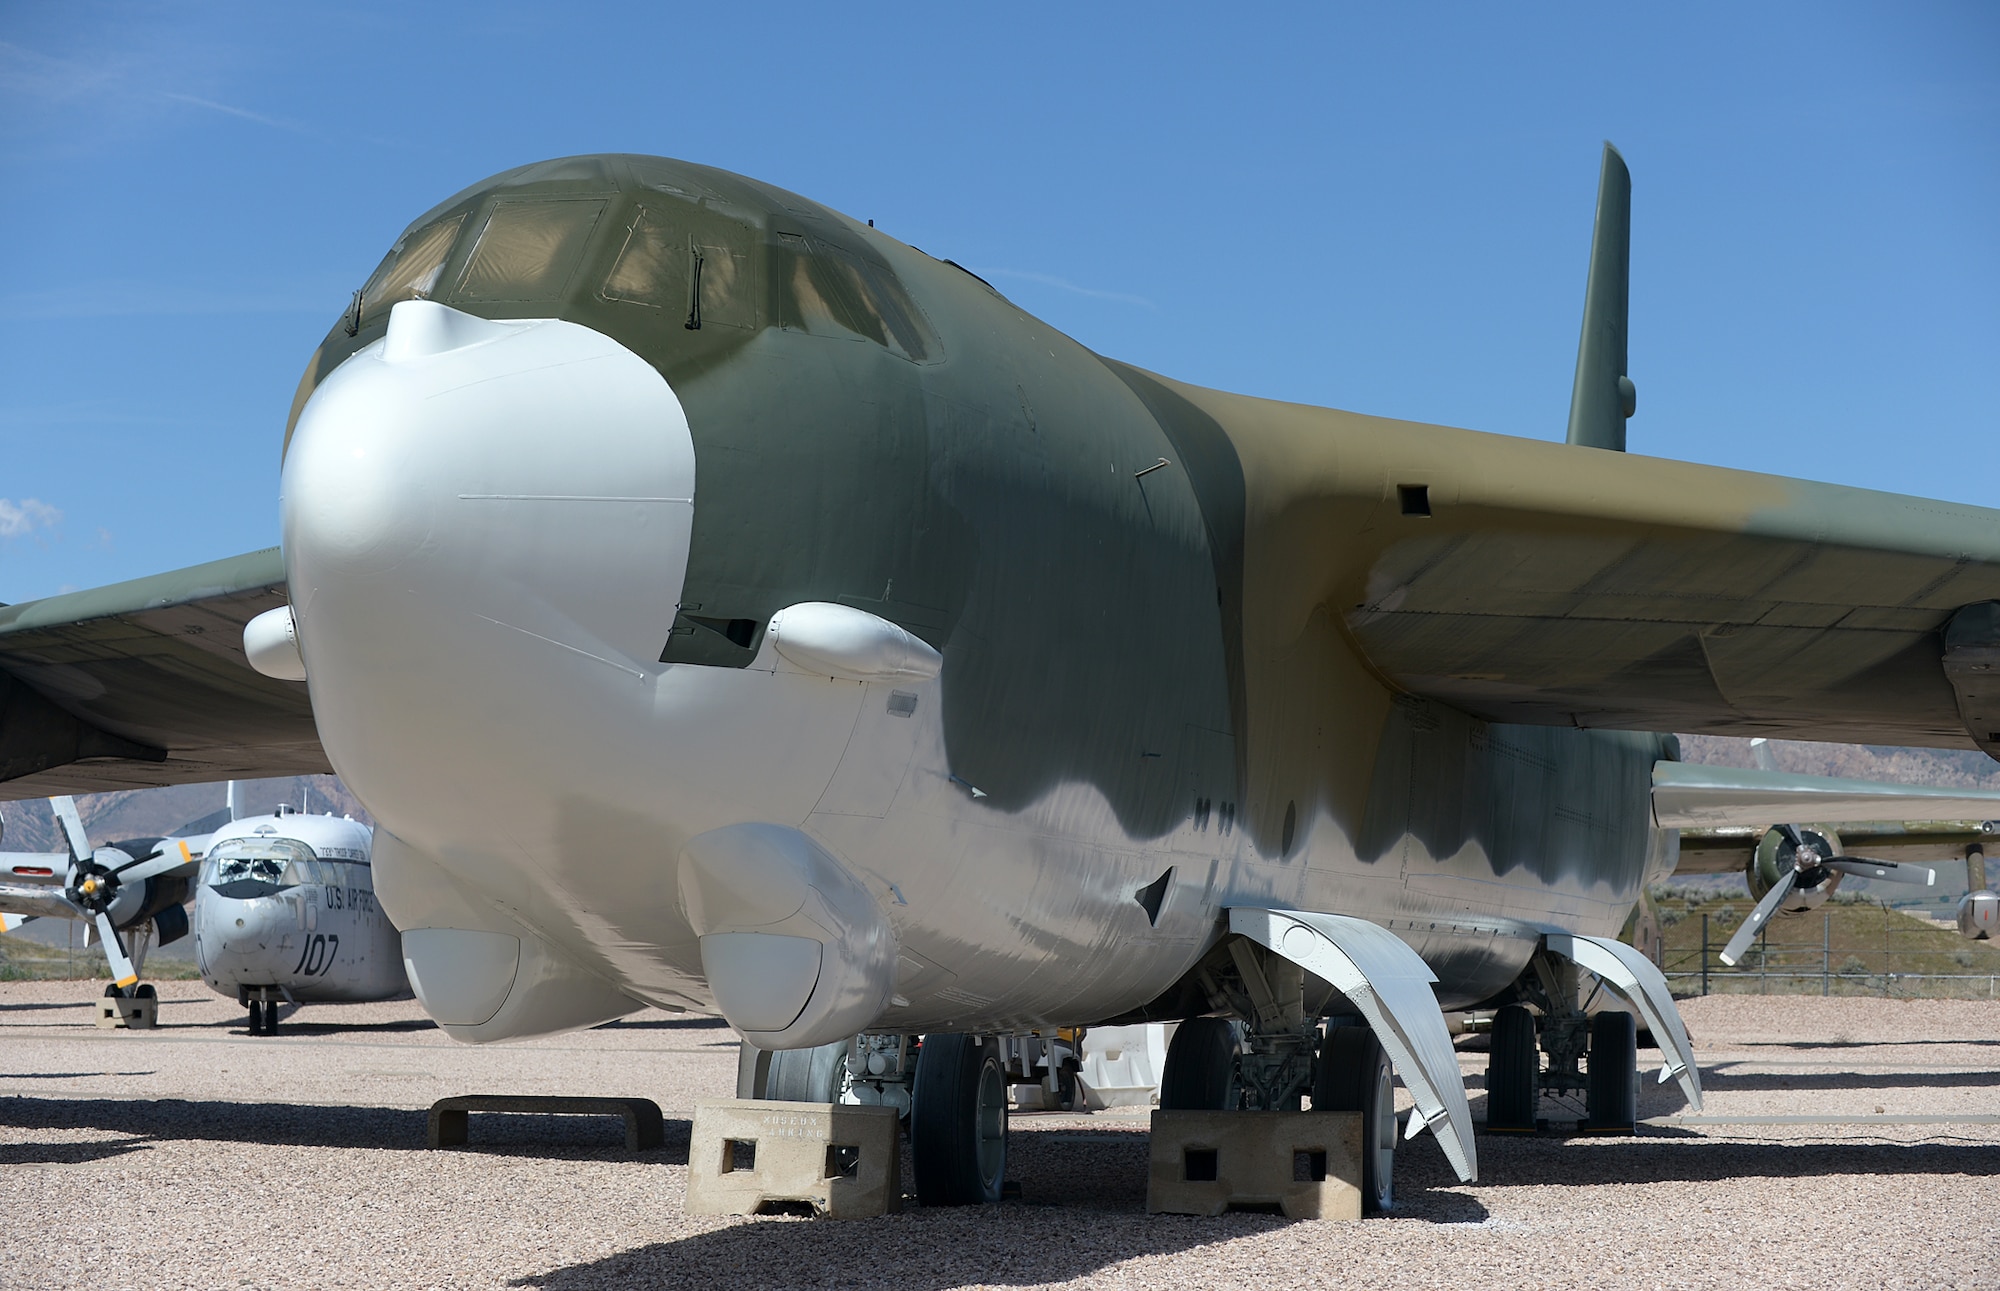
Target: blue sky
1384, 208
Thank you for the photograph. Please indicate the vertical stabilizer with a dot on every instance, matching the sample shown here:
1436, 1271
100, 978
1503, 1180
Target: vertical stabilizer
1604, 396
235, 800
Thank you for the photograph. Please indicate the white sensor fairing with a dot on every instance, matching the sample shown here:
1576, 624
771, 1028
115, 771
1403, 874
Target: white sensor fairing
486, 528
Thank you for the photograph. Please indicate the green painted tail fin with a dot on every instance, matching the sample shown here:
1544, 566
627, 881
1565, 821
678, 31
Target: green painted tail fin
1604, 396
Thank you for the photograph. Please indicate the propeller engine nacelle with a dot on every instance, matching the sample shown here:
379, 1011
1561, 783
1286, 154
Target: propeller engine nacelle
1777, 856
1979, 915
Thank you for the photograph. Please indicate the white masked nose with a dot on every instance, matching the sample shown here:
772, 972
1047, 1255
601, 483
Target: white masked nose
531, 472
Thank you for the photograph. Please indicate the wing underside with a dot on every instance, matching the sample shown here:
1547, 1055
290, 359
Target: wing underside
145, 683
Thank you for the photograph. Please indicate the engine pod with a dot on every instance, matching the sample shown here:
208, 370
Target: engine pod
795, 949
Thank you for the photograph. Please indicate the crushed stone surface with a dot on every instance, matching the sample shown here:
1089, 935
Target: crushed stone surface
197, 1155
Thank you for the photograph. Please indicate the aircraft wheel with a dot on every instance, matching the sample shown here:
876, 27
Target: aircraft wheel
1611, 1098
270, 1017
1353, 1075
256, 1017
1200, 1072
958, 1123
1513, 1071
807, 1075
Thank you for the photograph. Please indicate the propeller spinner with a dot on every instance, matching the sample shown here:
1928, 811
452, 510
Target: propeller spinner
1806, 861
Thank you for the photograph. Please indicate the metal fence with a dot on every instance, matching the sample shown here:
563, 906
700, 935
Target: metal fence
1807, 967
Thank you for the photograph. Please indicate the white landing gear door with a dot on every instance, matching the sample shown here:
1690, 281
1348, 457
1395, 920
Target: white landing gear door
1633, 976
1391, 985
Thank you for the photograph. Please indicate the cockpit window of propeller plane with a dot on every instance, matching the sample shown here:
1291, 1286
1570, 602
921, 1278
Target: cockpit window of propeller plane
275, 862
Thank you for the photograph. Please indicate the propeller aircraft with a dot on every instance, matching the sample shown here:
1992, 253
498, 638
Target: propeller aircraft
129, 896
721, 604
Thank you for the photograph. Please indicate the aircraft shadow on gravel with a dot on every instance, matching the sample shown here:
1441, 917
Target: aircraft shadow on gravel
1720, 1078
26, 1154
1658, 1158
586, 1138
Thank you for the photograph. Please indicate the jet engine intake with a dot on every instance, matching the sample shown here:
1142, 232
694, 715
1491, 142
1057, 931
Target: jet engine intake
795, 949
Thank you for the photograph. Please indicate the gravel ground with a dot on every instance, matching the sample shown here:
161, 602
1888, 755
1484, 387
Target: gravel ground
197, 1155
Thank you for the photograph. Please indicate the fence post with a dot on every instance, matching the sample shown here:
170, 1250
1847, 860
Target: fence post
1826, 954
1704, 952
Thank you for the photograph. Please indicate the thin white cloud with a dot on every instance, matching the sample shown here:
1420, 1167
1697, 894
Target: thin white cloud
1064, 284
18, 519
245, 114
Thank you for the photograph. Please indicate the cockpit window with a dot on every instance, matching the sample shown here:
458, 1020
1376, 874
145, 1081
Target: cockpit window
653, 267
411, 268
528, 250
282, 861
685, 274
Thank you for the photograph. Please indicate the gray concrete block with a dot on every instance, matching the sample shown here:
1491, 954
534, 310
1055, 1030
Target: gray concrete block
1308, 1164
117, 1013
746, 1154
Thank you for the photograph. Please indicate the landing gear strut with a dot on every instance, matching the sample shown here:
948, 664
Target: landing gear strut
263, 1003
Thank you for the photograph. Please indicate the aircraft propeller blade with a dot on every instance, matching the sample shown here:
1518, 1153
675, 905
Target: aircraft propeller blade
1862, 867
1758, 918
72, 825
172, 856
122, 971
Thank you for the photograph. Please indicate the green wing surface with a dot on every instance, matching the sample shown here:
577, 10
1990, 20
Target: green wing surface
1554, 584
144, 683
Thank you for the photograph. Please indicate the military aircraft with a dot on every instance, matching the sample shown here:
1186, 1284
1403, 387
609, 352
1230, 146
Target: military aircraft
721, 604
285, 911
1793, 868
129, 895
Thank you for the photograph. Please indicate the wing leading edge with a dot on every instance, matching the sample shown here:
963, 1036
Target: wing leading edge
144, 683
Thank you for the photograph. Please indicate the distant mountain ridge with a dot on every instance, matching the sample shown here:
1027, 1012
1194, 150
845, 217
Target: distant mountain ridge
176, 809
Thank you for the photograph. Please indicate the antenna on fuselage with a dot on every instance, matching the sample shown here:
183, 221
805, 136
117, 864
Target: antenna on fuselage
1604, 396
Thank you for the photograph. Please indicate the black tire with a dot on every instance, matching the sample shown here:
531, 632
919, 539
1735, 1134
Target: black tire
1200, 1074
1513, 1071
256, 1017
1611, 1096
270, 1017
958, 1122
1353, 1075
807, 1075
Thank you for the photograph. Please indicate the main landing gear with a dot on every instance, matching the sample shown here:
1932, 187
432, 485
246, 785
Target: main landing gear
1596, 1056
951, 1089
1217, 1064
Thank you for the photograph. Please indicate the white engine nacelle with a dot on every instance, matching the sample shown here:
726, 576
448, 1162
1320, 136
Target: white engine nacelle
796, 951
481, 976
1979, 915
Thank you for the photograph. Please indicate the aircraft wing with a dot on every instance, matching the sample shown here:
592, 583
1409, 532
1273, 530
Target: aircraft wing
1555, 584
145, 683
1687, 795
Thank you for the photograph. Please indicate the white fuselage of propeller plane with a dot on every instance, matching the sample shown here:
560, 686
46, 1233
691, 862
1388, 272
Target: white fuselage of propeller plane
286, 904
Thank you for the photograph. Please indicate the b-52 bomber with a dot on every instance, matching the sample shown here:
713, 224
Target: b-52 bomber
721, 604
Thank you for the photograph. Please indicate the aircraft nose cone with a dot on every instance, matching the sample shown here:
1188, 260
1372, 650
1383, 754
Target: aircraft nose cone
244, 927
468, 498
